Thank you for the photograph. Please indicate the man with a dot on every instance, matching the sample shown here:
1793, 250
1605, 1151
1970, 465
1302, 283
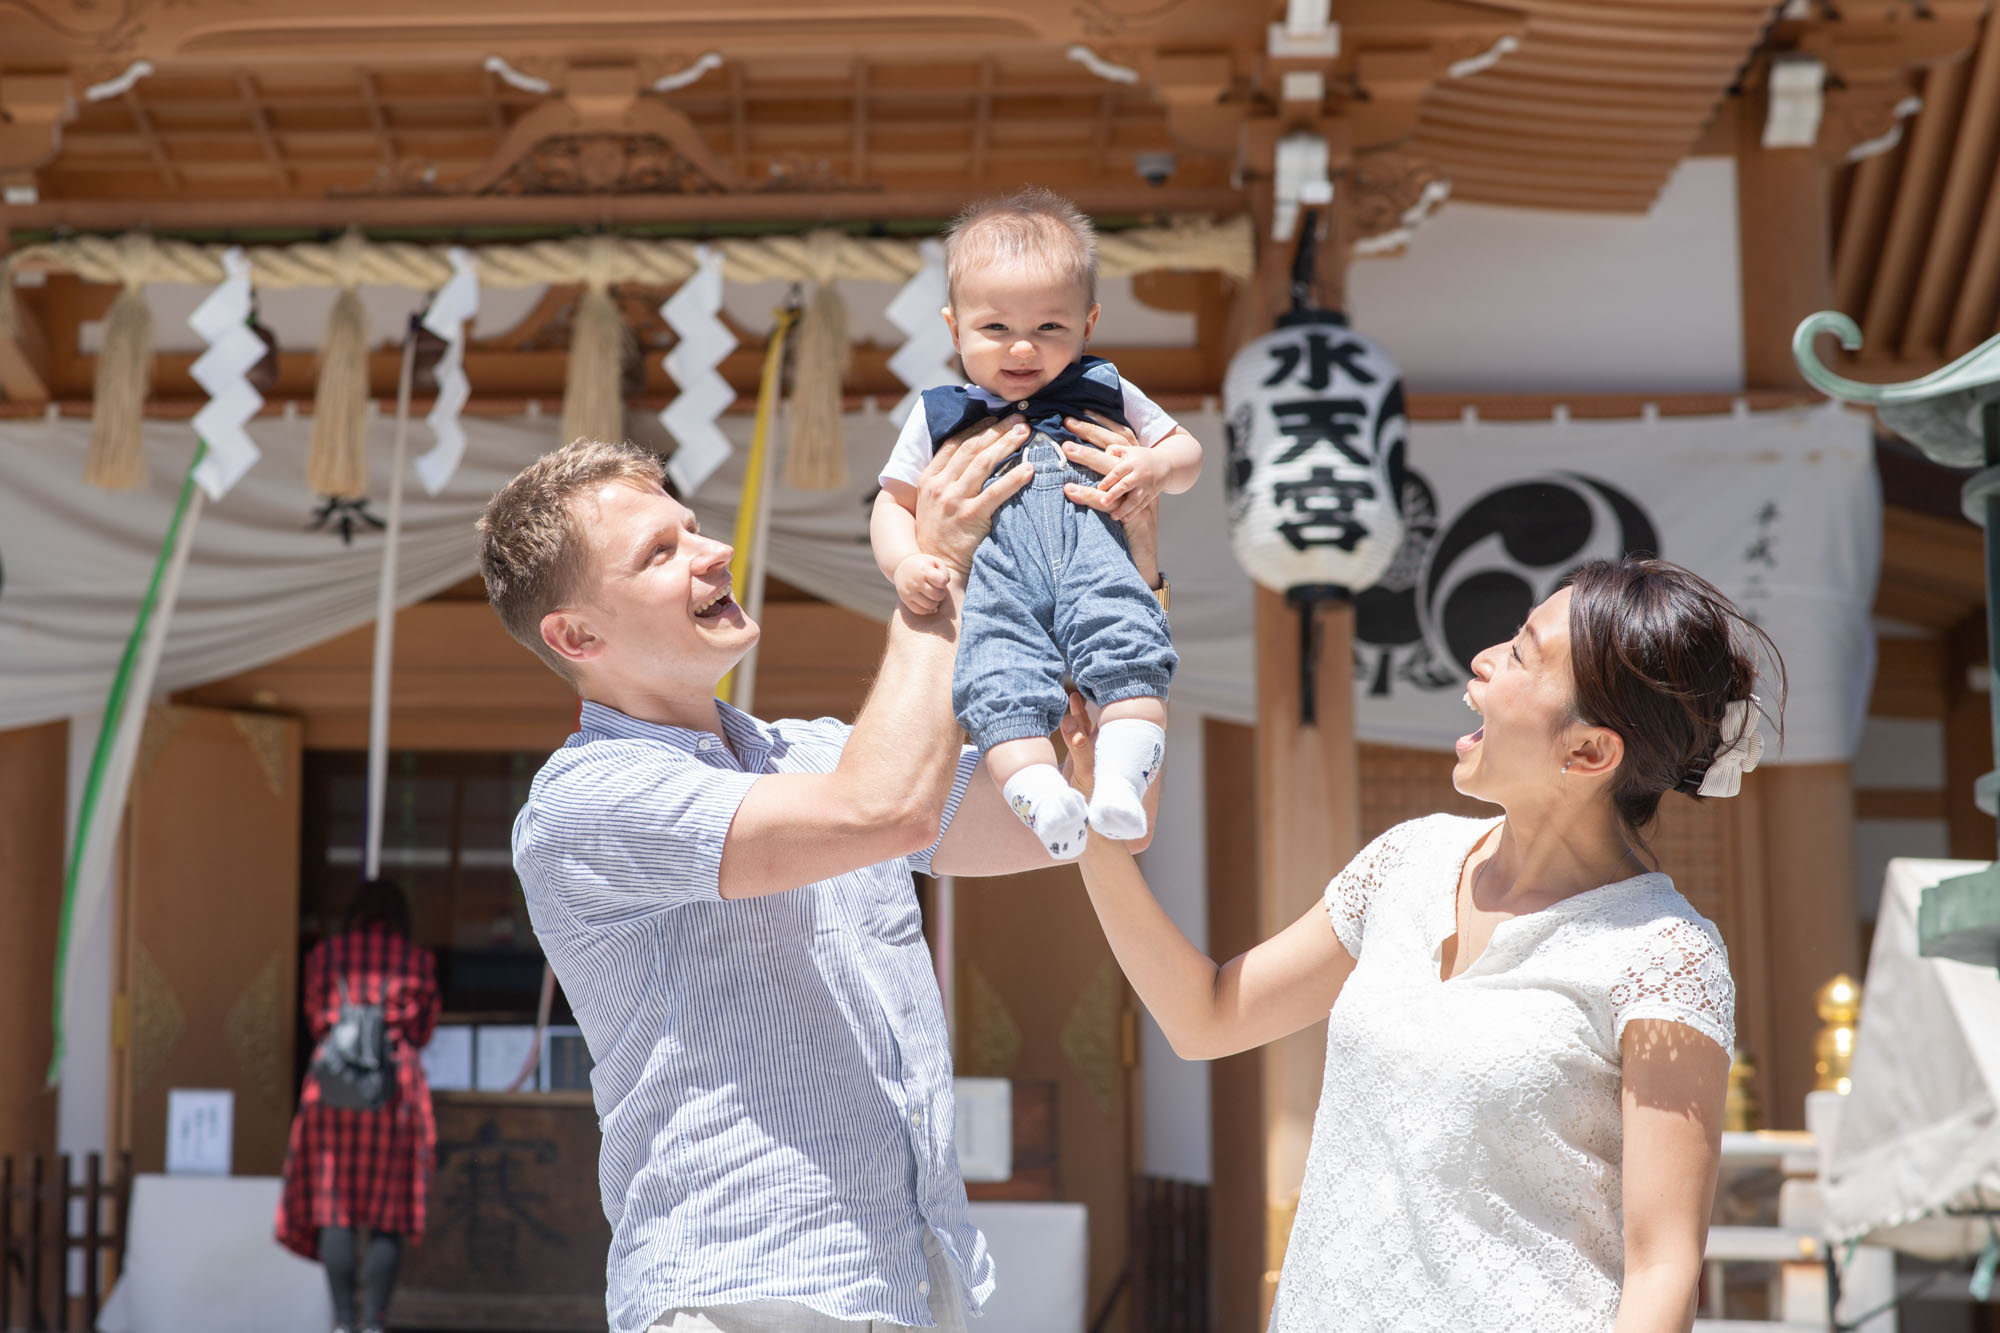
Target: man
729, 907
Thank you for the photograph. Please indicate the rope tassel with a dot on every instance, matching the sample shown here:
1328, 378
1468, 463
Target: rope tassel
117, 458
337, 458
816, 459
593, 401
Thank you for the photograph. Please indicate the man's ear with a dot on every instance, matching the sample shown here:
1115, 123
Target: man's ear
569, 637
1090, 322
1595, 752
950, 322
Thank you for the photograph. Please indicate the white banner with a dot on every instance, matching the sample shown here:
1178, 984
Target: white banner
1781, 510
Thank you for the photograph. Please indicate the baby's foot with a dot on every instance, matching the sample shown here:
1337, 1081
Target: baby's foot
1052, 808
1117, 810
1129, 752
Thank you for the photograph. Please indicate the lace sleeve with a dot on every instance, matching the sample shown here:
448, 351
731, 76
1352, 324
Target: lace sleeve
1681, 975
1350, 892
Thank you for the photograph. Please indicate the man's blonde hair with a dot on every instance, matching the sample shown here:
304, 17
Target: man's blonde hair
1032, 226
532, 551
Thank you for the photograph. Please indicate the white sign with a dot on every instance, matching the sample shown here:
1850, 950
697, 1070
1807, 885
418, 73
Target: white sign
500, 1052
448, 1059
201, 1127
985, 1133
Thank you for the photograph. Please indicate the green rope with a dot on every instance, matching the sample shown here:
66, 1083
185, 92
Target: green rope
100, 760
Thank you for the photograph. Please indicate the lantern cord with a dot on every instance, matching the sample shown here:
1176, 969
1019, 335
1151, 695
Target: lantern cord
1303, 260
1306, 600
1308, 664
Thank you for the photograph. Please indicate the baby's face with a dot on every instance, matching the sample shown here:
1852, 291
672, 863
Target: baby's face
1017, 327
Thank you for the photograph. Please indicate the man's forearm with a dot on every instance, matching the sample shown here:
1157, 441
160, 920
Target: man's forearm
906, 740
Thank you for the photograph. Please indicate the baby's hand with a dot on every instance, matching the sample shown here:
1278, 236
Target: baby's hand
1135, 480
921, 581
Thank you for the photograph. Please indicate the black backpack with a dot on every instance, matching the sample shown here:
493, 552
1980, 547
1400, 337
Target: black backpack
352, 1062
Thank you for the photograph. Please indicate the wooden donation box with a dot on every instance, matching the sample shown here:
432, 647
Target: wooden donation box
516, 1238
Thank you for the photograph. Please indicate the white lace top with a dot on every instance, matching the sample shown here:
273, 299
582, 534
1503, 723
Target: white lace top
1465, 1157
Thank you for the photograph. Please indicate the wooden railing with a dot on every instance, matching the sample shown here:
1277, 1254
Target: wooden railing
36, 1240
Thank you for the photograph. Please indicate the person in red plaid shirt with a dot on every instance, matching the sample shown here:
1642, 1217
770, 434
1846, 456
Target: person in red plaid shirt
365, 1169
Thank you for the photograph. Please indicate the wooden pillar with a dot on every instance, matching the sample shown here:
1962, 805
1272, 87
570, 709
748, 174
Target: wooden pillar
1783, 202
1784, 226
1968, 739
1308, 826
33, 764
1236, 1083
1812, 929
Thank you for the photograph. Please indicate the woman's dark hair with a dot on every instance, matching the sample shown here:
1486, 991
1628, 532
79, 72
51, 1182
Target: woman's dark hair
1656, 654
379, 902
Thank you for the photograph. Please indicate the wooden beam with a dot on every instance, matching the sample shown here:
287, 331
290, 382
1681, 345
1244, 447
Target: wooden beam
24, 356
262, 124
1967, 179
457, 212
982, 120
1979, 298
1916, 206
1871, 193
149, 136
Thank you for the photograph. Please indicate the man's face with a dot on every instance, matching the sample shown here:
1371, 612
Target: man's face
655, 613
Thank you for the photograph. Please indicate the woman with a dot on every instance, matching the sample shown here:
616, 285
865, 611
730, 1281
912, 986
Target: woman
349, 1169
1530, 1031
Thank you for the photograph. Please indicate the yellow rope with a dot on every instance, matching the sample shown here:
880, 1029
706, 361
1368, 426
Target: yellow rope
753, 479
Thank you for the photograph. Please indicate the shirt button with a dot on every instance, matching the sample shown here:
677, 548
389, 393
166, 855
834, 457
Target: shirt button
1021, 406
917, 1118
923, 1289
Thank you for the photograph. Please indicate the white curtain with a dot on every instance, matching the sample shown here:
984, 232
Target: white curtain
1781, 510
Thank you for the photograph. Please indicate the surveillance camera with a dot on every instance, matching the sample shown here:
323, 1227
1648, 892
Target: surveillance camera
1155, 168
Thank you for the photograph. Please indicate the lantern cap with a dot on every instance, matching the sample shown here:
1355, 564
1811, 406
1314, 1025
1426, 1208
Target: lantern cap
1293, 318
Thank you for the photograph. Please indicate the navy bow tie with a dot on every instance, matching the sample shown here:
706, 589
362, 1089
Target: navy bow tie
1089, 385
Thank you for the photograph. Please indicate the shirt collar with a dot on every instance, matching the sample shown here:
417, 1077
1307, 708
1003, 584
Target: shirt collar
751, 740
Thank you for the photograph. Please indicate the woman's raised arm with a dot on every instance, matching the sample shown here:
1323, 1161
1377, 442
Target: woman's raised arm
1285, 983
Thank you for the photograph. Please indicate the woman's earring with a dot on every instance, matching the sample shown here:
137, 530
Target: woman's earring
1565, 765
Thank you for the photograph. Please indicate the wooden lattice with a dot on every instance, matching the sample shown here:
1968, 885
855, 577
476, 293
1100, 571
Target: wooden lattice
1698, 844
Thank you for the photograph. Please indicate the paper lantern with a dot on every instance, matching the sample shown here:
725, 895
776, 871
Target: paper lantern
1316, 432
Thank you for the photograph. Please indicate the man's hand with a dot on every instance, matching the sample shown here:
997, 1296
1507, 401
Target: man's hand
921, 582
953, 512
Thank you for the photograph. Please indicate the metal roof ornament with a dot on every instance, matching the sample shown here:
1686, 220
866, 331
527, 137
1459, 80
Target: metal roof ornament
1953, 415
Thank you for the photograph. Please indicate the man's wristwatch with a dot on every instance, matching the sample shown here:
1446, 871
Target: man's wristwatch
1161, 592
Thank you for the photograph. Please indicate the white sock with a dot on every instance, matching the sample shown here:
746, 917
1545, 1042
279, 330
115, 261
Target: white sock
1128, 759
1051, 807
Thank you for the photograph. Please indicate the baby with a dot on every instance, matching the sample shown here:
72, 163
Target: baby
1053, 587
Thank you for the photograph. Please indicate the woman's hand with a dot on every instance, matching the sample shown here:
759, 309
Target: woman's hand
1079, 735
954, 504
1115, 452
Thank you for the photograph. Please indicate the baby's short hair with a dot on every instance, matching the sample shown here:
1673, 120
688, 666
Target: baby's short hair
1031, 225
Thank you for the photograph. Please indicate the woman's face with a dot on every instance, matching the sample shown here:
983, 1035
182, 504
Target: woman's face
1521, 690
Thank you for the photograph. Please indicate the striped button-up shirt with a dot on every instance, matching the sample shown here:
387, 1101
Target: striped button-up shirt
773, 1078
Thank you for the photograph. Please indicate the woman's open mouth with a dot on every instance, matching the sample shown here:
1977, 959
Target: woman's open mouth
1465, 743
